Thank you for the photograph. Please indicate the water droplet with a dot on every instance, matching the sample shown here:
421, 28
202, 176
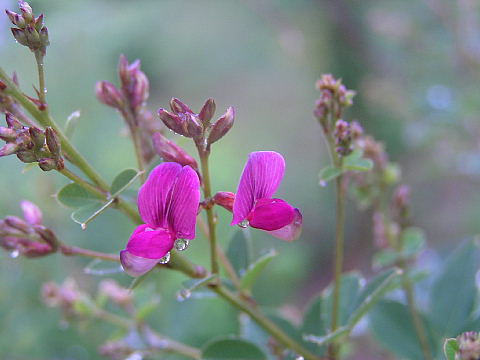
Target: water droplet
183, 295
323, 183
299, 357
243, 224
135, 356
83, 226
148, 229
14, 254
181, 244
165, 259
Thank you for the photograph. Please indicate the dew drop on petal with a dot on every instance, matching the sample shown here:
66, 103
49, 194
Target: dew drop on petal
181, 244
149, 229
14, 254
243, 224
165, 259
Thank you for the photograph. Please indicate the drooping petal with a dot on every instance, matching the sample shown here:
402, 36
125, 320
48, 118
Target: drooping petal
260, 179
271, 214
291, 231
136, 265
184, 202
153, 195
150, 244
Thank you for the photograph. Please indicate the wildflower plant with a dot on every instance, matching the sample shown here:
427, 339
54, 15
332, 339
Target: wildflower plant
176, 199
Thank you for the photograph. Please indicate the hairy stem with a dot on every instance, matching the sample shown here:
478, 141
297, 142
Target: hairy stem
207, 193
41, 77
265, 323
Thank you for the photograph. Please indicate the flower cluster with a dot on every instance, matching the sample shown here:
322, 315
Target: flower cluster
168, 203
29, 30
31, 144
27, 236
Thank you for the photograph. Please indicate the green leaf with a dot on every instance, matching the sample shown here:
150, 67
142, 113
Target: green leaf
392, 325
256, 268
450, 348
413, 241
75, 196
123, 180
87, 213
329, 173
232, 349
385, 258
249, 330
71, 123
355, 162
349, 290
453, 294
239, 252
314, 324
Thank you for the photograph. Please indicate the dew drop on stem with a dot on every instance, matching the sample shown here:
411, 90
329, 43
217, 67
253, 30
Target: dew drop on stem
165, 259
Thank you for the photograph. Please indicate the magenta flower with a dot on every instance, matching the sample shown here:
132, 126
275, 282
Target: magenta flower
168, 204
254, 204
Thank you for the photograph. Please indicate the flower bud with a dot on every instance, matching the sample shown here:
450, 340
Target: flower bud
26, 10
115, 292
20, 36
179, 107
7, 134
53, 142
16, 19
109, 95
207, 112
194, 126
18, 224
12, 122
31, 212
47, 235
33, 38
9, 149
222, 126
44, 40
47, 164
173, 122
32, 249
38, 23
3, 86
170, 151
140, 90
469, 346
26, 157
225, 199
37, 136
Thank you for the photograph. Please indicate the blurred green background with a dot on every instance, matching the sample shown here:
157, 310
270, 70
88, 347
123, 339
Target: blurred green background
415, 65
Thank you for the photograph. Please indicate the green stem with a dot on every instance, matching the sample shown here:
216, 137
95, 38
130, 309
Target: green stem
207, 193
265, 323
41, 77
86, 185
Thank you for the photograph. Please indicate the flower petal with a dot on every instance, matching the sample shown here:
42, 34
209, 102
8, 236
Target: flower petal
184, 202
31, 213
150, 244
291, 231
153, 195
136, 265
260, 179
271, 214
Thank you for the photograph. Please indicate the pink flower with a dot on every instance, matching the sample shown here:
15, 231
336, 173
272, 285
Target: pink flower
168, 204
254, 204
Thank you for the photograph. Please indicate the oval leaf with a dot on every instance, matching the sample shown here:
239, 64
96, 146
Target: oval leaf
232, 349
329, 173
450, 348
75, 196
123, 180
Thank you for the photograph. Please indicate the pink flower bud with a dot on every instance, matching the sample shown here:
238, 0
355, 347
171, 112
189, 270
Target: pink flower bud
37, 136
12, 122
109, 95
115, 292
140, 90
194, 126
20, 36
15, 18
222, 126
47, 164
207, 112
225, 199
7, 134
39, 22
173, 122
26, 10
9, 149
179, 107
31, 212
18, 224
169, 151
53, 142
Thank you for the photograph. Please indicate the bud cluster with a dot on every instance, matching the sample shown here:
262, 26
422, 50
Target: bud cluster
182, 120
27, 236
334, 97
114, 292
31, 144
30, 30
68, 297
469, 346
343, 138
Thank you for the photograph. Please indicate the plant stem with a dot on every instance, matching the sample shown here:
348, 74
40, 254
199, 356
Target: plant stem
265, 323
41, 77
207, 193
139, 154
86, 185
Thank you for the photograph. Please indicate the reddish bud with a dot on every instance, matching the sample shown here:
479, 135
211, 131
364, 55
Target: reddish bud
39, 22
173, 122
7, 134
47, 164
18, 224
109, 95
47, 235
179, 107
207, 112
26, 10
225, 199
222, 126
194, 126
20, 36
169, 151
15, 18
140, 90
37, 136
9, 149
31, 212
3, 86
26, 156
53, 142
